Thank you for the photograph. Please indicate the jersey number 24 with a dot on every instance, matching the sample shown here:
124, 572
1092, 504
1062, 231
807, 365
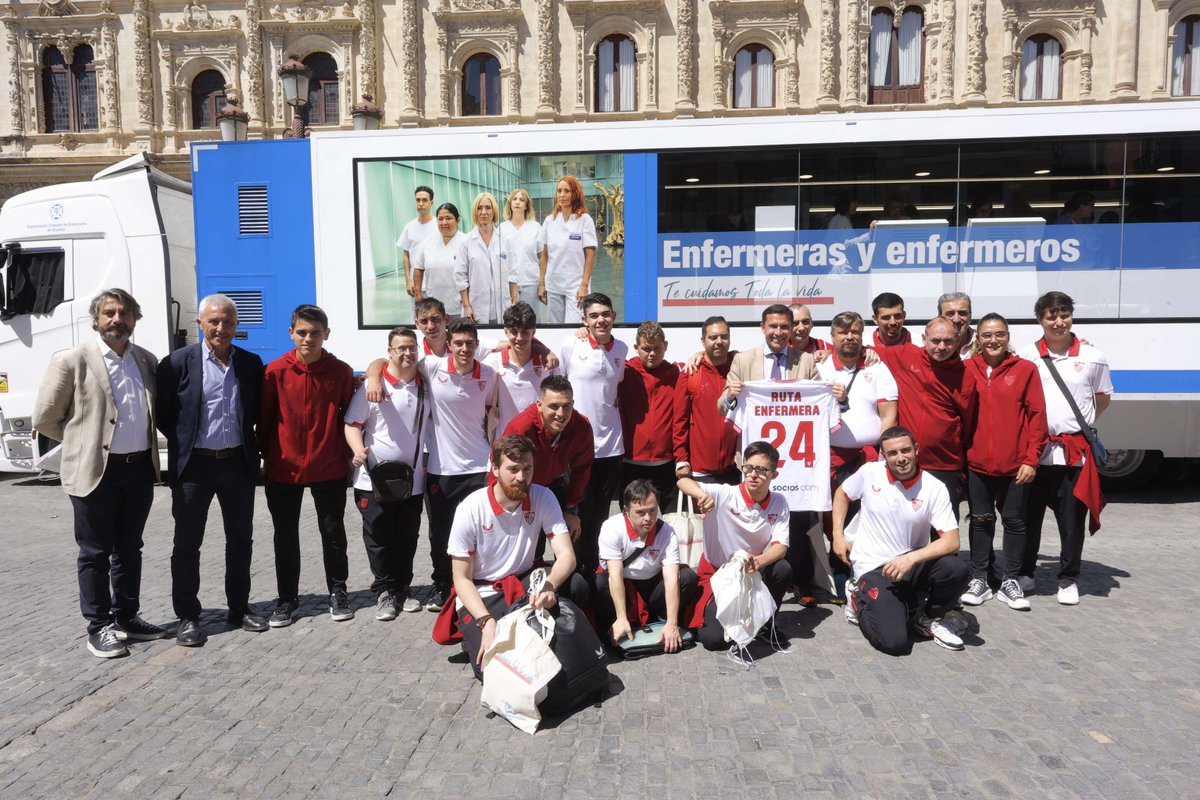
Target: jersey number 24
801, 449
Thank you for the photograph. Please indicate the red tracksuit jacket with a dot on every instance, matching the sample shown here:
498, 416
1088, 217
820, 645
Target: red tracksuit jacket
573, 450
1010, 426
700, 435
937, 403
301, 419
647, 400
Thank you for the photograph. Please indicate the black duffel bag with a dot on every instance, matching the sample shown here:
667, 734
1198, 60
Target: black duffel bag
584, 674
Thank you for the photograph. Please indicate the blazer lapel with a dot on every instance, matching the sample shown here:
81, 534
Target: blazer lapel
95, 364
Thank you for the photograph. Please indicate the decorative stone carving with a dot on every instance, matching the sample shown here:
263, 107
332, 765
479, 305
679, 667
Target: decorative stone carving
1072, 22
949, 37
595, 19
857, 29
67, 141
255, 106
410, 59
976, 51
12, 47
546, 61
56, 8
466, 27
110, 101
195, 17
768, 21
141, 63
368, 75
829, 59
685, 66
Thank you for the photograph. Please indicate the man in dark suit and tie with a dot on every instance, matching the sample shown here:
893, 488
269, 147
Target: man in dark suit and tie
208, 397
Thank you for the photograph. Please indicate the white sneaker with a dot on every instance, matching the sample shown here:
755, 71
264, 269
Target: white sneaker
1068, 593
1011, 595
977, 593
939, 631
955, 622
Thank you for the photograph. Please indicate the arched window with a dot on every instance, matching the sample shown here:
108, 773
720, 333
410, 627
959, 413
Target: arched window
1185, 58
754, 77
1041, 68
897, 57
481, 86
208, 97
616, 74
69, 93
323, 98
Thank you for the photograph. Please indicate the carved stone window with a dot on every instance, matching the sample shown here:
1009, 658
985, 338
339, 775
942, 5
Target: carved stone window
1034, 30
754, 77
771, 29
69, 90
625, 31
481, 86
897, 56
468, 29
616, 74
1041, 68
1185, 58
208, 97
323, 90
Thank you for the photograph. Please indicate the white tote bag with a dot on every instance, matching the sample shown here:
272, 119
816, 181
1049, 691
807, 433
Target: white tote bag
743, 603
689, 531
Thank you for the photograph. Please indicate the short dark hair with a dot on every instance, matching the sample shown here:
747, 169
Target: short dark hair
121, 296
713, 320
462, 325
896, 432
310, 313
402, 332
1053, 301
845, 320
842, 203
761, 448
511, 447
453, 209
778, 308
520, 316
638, 492
556, 383
886, 300
992, 316
428, 303
1078, 201
597, 299
425, 189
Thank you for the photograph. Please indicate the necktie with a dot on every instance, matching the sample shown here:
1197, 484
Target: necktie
777, 370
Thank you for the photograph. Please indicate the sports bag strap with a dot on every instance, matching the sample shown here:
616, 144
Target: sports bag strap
1084, 428
420, 418
637, 551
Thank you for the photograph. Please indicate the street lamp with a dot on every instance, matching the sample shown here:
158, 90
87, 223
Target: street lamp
295, 77
366, 114
232, 121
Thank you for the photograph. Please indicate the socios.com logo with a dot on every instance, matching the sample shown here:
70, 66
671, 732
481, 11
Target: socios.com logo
56, 212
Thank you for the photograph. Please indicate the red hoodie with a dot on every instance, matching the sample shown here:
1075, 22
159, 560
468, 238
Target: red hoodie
700, 435
937, 403
647, 401
300, 421
572, 451
1010, 428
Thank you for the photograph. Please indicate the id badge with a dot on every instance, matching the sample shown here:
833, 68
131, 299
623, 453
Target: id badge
576, 237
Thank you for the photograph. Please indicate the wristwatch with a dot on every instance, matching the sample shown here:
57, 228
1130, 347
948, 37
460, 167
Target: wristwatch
571, 510
481, 621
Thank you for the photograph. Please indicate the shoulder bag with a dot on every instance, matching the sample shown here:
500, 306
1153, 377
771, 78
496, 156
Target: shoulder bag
392, 481
1099, 453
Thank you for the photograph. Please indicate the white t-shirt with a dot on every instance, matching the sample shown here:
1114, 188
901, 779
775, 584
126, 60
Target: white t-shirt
389, 429
1084, 370
595, 372
895, 517
796, 417
501, 543
414, 235
457, 439
519, 386
874, 384
618, 541
564, 240
480, 272
519, 252
738, 523
439, 260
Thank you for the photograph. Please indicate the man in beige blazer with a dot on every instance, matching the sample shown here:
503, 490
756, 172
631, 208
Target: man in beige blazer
98, 400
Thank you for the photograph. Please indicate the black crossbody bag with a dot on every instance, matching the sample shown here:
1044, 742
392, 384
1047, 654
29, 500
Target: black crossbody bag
392, 481
1099, 452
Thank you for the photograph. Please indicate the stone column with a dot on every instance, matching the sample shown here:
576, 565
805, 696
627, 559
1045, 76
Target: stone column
546, 30
829, 60
410, 64
976, 53
685, 61
255, 89
12, 45
368, 75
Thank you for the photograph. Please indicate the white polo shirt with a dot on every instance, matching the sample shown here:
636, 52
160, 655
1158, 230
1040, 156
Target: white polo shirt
872, 385
1085, 371
414, 235
595, 372
519, 385
501, 543
564, 240
896, 515
457, 439
739, 523
438, 260
618, 541
390, 428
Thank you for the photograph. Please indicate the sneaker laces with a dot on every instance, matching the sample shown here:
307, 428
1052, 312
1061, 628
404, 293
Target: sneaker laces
1012, 588
976, 587
108, 636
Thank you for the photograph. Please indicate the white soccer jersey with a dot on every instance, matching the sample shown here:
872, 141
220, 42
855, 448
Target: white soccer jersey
457, 439
390, 428
1084, 370
501, 543
895, 517
618, 541
872, 385
519, 385
564, 240
796, 417
738, 523
595, 371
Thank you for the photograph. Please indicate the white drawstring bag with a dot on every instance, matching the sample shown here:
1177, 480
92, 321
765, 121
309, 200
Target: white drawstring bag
744, 605
519, 665
689, 531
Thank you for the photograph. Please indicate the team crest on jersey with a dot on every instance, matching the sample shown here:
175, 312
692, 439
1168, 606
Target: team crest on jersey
917, 503
1079, 365
442, 379
876, 489
529, 517
1009, 380
914, 368
653, 554
772, 518
482, 385
487, 528
868, 377
537, 370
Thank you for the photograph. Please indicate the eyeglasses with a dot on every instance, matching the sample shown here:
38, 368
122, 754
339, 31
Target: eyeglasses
750, 469
989, 337
404, 348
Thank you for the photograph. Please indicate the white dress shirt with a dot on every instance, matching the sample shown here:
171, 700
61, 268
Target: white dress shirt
132, 433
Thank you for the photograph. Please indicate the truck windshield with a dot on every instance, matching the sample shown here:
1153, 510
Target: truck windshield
33, 281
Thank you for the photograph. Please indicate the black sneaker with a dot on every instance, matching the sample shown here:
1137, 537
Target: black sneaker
435, 600
339, 606
136, 629
284, 615
105, 644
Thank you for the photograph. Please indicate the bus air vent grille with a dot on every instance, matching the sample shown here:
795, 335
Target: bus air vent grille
249, 304
252, 211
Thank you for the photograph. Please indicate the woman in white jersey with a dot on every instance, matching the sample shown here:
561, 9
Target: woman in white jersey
568, 249
437, 258
519, 248
479, 275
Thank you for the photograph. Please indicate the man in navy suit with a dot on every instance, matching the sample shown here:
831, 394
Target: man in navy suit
207, 405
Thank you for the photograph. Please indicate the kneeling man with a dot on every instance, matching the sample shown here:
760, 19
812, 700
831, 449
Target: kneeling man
491, 548
896, 566
640, 577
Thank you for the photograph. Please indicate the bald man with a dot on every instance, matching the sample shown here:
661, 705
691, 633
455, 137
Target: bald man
802, 325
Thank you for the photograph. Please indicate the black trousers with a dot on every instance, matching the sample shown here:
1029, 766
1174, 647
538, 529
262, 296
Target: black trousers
593, 511
284, 501
232, 483
956, 485
108, 529
730, 477
653, 592
777, 578
390, 534
662, 476
1055, 486
443, 494
883, 605
985, 492
800, 549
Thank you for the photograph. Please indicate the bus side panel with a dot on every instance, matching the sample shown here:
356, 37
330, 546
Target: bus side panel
175, 210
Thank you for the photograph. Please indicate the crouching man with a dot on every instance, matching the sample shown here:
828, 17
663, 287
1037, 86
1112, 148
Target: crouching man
901, 578
491, 550
640, 578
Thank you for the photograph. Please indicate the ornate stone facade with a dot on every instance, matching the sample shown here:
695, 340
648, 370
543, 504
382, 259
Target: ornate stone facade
410, 53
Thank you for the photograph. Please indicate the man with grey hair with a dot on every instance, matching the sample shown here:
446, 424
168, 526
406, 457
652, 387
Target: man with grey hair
98, 400
207, 408
956, 307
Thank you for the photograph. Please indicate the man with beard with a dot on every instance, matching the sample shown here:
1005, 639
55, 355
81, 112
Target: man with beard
705, 446
956, 307
887, 311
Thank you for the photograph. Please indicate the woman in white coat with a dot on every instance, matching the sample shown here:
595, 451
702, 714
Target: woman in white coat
436, 261
519, 248
479, 277
568, 242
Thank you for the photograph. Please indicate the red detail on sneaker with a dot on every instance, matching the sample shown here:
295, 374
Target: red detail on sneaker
362, 503
873, 592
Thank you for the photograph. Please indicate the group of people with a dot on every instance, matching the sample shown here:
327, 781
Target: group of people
508, 447
479, 274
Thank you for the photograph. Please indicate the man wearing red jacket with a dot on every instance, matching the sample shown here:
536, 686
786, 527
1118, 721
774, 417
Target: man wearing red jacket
305, 395
646, 398
705, 446
937, 402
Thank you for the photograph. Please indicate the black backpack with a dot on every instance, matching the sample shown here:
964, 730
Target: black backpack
584, 674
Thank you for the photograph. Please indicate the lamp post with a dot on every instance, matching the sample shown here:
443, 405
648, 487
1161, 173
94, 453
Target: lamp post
366, 115
232, 121
295, 77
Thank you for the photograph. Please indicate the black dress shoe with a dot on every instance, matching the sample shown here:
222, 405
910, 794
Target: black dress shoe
248, 621
190, 634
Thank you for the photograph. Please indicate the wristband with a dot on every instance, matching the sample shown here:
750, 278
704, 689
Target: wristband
571, 510
481, 621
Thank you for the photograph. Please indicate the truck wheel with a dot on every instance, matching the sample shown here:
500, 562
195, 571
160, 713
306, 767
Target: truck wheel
1129, 469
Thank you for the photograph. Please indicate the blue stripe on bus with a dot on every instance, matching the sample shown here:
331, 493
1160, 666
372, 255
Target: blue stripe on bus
1156, 381
641, 224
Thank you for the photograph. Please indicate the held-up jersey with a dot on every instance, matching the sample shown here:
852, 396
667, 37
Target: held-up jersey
796, 417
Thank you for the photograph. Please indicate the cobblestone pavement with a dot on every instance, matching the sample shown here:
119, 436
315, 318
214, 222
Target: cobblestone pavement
1099, 700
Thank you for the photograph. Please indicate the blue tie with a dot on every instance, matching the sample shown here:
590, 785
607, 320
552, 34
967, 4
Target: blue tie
777, 370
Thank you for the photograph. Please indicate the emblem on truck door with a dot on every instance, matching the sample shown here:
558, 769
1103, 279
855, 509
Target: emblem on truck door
56, 211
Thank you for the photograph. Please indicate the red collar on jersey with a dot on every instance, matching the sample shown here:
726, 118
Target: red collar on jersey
498, 509
814, 344
389, 377
906, 484
450, 367
505, 357
905, 338
839, 366
427, 349
1072, 350
750, 500
633, 535
592, 341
